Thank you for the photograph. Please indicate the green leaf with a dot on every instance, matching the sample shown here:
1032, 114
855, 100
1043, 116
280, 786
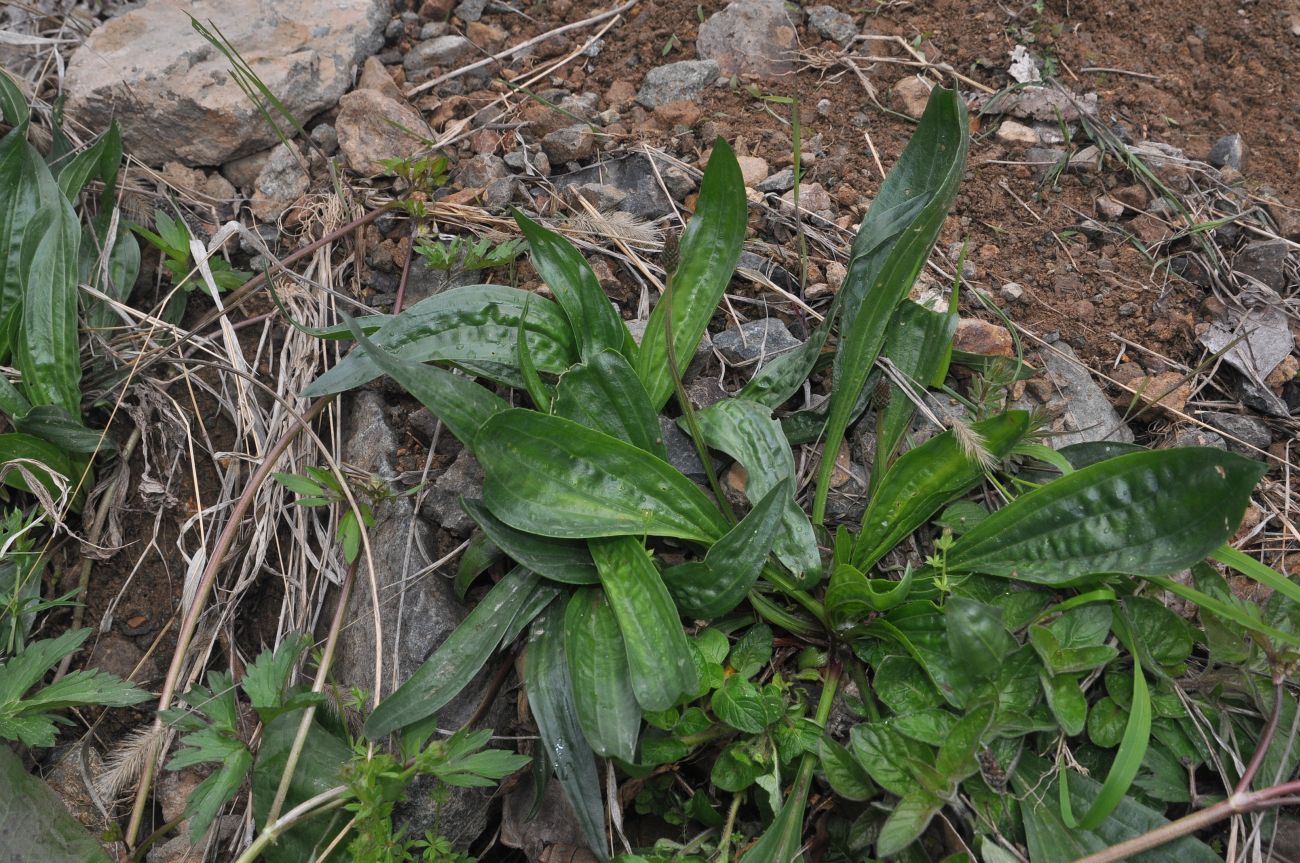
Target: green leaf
708, 251
1106, 723
48, 352
888, 756
319, 769
605, 394
917, 345
465, 763
956, 759
783, 376
602, 689
891, 247
907, 822
753, 651
746, 431
781, 842
214, 792
560, 560
658, 655
25, 186
741, 705
736, 767
53, 424
591, 315
923, 480
49, 460
1148, 513
711, 588
453, 665
845, 776
1065, 698
33, 819
266, 679
852, 598
902, 685
550, 698
550, 476
976, 634
463, 406
99, 160
13, 105
476, 327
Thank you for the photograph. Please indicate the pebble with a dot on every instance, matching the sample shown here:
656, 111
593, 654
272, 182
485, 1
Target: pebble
1264, 260
754, 37
753, 169
1244, 434
1170, 390
1013, 292
1128, 310
813, 198
569, 144
441, 51
912, 95
835, 275
433, 29
976, 336
833, 24
781, 181
479, 171
1199, 437
684, 80
755, 341
1109, 208
1230, 151
1011, 132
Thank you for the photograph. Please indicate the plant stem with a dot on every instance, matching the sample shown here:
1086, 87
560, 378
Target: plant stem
783, 583
326, 801
859, 675
1265, 739
724, 842
318, 686
688, 412
190, 623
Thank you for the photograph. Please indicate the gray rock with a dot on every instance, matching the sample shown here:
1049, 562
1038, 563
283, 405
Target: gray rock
499, 193
677, 82
462, 478
417, 615
681, 451
481, 170
326, 137
1240, 430
1088, 413
781, 181
373, 127
755, 342
569, 144
441, 51
601, 196
172, 93
1230, 151
552, 824
750, 37
1198, 437
424, 281
470, 10
1043, 159
833, 24
1264, 260
634, 175
395, 29
1013, 292
282, 181
434, 29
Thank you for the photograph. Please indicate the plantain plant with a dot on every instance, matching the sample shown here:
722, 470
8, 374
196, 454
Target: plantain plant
1005, 657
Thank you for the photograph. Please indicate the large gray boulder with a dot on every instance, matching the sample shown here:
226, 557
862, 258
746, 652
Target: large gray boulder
172, 92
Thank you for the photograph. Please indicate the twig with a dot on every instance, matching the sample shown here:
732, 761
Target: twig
1121, 72
324, 802
503, 54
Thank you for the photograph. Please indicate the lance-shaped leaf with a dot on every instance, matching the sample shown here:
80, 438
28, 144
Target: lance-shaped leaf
560, 560
550, 698
658, 656
714, 586
598, 670
476, 327
25, 185
926, 478
918, 343
891, 247
747, 432
778, 381
708, 252
591, 315
1147, 513
47, 351
551, 476
462, 405
605, 394
454, 664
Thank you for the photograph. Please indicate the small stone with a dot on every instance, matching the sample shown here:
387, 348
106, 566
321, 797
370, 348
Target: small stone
1230, 151
499, 193
463, 478
912, 94
813, 198
1264, 260
569, 144
1109, 208
1149, 229
1168, 390
753, 169
1086, 412
439, 9
282, 182
670, 115
1087, 160
1244, 434
479, 171
1012, 292
755, 342
684, 80
835, 275
1199, 437
1134, 197
753, 37
243, 172
976, 336
620, 95
824, 107
117, 655
442, 51
833, 24
1044, 159
373, 127
486, 35
1011, 132
1128, 310
470, 10
326, 137
601, 196
1085, 311
781, 181
433, 29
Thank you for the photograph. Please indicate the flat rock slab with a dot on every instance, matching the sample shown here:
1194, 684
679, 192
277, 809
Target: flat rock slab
172, 93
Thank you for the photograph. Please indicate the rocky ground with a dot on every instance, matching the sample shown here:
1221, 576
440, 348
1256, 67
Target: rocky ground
1128, 219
